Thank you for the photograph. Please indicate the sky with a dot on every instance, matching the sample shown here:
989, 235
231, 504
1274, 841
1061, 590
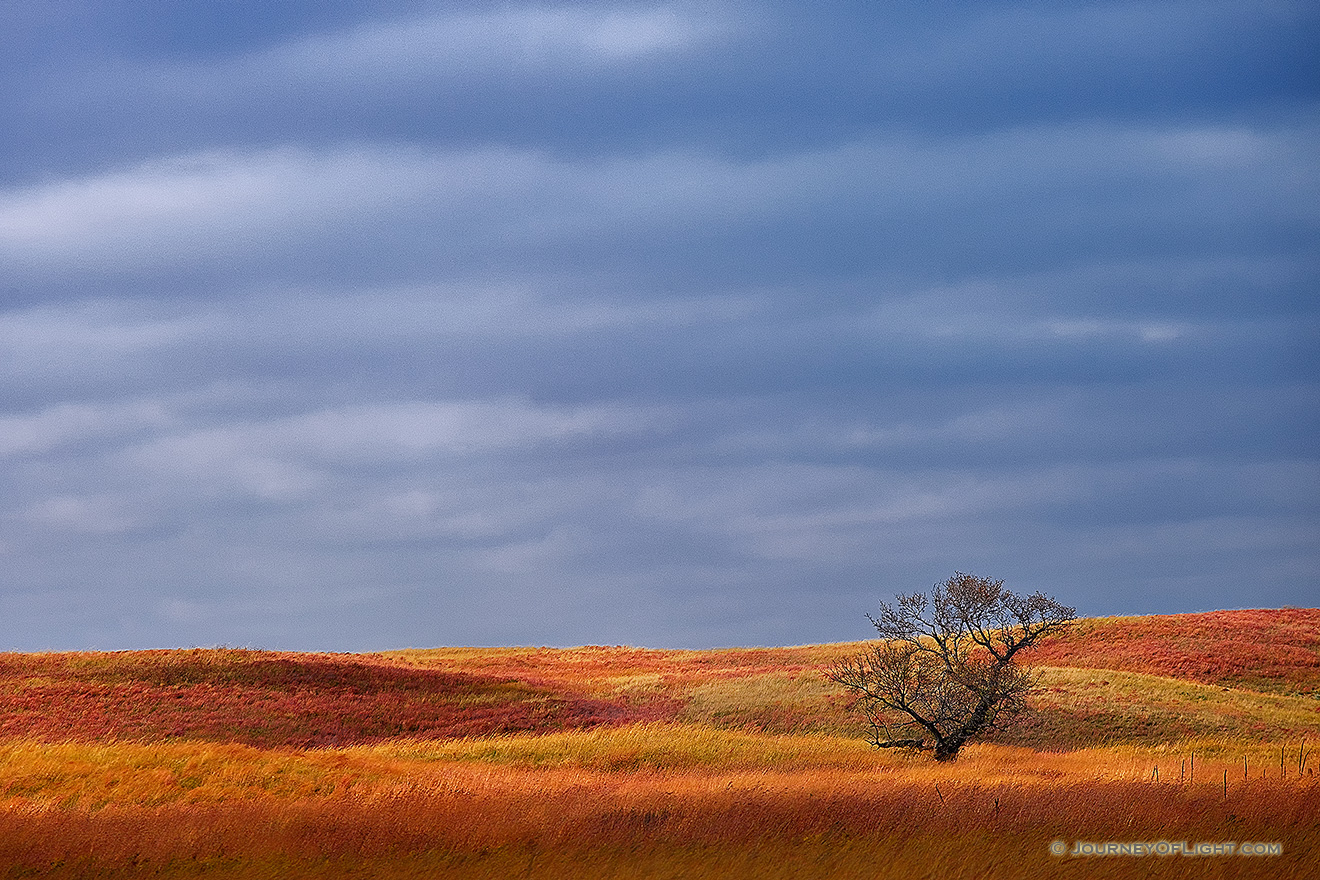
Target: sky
353, 326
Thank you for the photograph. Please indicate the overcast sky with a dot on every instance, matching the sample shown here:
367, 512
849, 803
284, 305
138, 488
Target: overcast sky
365, 325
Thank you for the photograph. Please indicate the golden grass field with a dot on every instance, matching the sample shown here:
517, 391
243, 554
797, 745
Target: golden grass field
618, 762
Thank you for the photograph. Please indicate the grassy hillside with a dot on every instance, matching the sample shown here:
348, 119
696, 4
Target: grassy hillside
603, 761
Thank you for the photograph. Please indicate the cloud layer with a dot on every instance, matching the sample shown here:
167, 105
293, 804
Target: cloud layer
677, 324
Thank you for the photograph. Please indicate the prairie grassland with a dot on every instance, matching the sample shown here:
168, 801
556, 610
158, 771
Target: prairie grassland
620, 762
542, 806
1075, 707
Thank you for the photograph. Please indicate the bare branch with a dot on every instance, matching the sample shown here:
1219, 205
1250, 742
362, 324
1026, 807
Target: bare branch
946, 668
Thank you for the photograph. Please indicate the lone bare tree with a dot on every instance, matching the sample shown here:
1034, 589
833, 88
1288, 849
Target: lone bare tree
947, 669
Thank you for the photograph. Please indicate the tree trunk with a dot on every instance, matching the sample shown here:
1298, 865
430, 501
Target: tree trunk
947, 750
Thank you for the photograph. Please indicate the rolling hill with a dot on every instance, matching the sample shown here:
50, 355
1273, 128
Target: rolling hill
477, 761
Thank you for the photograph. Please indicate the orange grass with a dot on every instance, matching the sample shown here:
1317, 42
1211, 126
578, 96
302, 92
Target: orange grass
967, 819
620, 762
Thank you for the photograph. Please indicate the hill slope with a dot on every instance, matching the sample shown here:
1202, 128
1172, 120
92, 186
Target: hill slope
1169, 672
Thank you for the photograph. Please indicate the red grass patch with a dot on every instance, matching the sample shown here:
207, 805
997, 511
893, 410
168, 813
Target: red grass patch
275, 700
1270, 650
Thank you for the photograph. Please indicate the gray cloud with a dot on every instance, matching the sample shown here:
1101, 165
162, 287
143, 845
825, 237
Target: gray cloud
1201, 189
660, 324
